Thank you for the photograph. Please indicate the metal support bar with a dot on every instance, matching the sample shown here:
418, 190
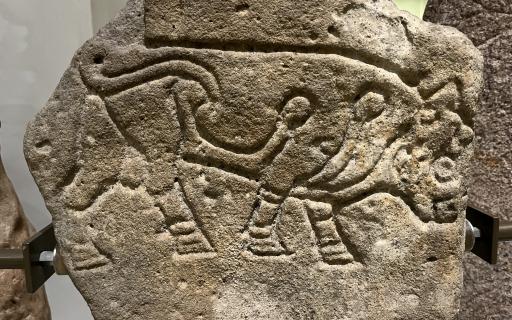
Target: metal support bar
11, 259
505, 231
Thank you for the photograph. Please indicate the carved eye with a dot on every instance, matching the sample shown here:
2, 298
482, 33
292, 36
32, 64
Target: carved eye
444, 169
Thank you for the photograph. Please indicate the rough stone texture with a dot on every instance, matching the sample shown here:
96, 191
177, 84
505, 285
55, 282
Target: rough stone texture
488, 23
262, 160
15, 302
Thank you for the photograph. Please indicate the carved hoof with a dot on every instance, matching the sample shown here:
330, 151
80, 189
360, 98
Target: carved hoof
189, 238
266, 247
336, 254
261, 242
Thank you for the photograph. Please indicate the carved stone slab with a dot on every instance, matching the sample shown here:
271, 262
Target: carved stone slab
15, 302
488, 23
262, 160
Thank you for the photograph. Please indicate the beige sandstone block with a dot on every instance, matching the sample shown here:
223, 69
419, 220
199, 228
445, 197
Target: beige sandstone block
262, 160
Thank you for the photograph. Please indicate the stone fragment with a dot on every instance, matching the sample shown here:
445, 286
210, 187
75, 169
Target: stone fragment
15, 302
262, 160
488, 23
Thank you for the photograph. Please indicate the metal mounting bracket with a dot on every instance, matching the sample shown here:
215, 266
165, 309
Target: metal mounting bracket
38, 258
485, 231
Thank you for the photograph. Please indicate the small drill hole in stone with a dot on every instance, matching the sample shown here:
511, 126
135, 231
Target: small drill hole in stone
333, 31
99, 58
42, 144
242, 7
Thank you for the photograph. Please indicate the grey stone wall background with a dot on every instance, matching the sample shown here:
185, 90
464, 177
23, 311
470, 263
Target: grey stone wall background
488, 23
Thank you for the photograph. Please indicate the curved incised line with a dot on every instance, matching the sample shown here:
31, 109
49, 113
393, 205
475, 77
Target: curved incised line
107, 86
181, 68
252, 161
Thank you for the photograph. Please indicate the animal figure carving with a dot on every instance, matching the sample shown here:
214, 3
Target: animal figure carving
382, 138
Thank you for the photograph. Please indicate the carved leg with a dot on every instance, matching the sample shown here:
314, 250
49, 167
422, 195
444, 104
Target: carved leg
264, 240
331, 247
182, 223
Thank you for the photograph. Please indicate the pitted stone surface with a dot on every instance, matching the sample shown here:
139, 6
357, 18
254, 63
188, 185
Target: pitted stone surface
15, 302
302, 164
488, 23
